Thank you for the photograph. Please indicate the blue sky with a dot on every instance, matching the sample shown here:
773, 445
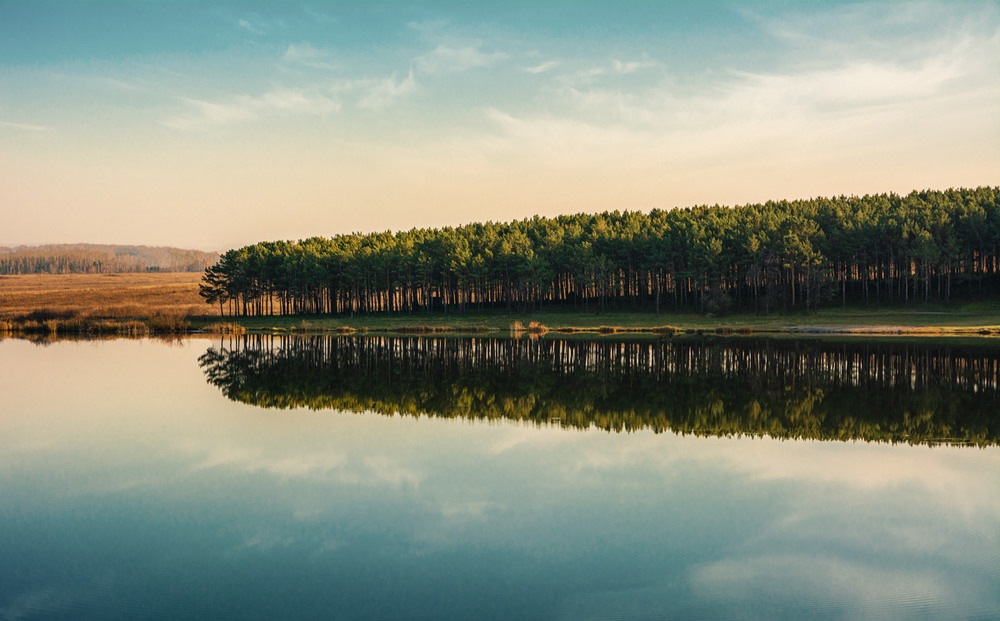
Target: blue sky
212, 125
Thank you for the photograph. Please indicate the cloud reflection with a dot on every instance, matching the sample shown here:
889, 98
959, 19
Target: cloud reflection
251, 459
835, 586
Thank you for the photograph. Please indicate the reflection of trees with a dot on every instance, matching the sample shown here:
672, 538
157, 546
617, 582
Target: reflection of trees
884, 391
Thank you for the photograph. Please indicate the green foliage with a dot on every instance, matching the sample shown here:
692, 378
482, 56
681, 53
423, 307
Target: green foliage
790, 256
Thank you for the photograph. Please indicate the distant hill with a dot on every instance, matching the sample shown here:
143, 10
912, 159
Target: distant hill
101, 259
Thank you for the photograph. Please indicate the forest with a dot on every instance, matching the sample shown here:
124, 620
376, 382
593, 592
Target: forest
887, 391
780, 256
101, 259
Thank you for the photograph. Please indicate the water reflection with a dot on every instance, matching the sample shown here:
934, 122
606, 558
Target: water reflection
132, 488
885, 391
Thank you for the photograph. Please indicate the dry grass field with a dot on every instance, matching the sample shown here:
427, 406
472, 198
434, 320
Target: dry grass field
113, 296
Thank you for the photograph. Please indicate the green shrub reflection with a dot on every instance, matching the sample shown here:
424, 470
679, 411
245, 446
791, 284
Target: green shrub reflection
885, 391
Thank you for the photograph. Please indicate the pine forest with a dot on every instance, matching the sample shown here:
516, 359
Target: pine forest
780, 256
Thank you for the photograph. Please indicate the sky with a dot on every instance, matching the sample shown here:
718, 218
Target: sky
213, 125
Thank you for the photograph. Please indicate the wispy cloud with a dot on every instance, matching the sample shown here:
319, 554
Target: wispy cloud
382, 92
893, 30
367, 92
829, 103
121, 85
375, 93
28, 127
445, 59
958, 64
623, 67
633, 66
246, 25
260, 19
307, 54
278, 102
542, 67
428, 27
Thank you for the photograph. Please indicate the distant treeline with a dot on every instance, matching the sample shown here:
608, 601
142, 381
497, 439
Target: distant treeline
101, 259
878, 250
885, 391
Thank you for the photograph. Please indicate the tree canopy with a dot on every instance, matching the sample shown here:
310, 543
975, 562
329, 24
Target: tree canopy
780, 255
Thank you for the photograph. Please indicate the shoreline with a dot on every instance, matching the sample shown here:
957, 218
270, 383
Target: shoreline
204, 325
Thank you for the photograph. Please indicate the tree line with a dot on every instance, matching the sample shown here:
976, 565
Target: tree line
879, 249
101, 259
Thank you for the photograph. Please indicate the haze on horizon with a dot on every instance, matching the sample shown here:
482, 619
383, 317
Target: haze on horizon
217, 124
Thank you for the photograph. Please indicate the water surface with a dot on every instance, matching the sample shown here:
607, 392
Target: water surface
145, 479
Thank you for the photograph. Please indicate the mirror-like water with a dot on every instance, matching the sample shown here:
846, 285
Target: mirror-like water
809, 480
913, 392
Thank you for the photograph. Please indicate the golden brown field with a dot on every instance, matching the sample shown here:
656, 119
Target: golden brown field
103, 295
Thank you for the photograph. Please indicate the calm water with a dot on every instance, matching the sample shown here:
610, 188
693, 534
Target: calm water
255, 478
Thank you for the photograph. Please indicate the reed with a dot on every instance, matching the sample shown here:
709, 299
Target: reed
97, 326
131, 327
224, 327
83, 326
171, 324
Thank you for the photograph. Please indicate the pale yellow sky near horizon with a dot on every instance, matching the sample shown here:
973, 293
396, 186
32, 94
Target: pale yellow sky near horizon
286, 130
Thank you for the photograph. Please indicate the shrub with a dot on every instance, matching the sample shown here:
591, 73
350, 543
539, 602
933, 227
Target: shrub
536, 327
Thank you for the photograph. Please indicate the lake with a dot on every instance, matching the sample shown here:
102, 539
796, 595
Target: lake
259, 477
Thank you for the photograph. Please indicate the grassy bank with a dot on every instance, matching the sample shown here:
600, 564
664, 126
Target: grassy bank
968, 319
